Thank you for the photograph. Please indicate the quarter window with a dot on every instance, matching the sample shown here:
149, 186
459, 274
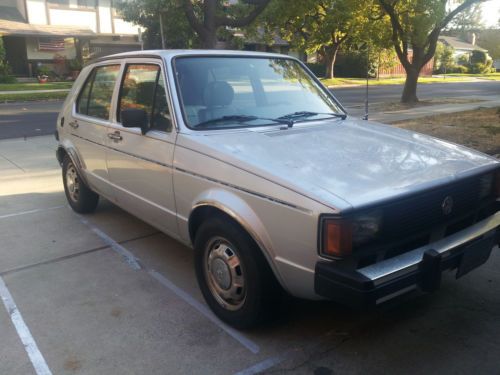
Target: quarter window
143, 88
95, 97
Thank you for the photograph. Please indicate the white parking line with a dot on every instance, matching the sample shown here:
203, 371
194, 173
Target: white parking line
134, 263
30, 212
131, 260
261, 366
203, 309
23, 332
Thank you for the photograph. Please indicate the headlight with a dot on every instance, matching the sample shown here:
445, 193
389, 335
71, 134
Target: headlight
338, 235
365, 227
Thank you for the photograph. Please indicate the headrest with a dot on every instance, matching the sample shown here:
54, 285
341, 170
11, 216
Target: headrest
218, 93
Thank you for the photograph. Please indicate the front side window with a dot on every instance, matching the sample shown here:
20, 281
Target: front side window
227, 92
95, 98
143, 88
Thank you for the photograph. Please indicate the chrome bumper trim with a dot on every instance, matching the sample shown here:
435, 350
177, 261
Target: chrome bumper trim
407, 262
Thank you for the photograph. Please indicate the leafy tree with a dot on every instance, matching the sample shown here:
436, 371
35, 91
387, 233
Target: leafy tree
490, 40
480, 62
318, 26
146, 13
208, 18
444, 60
416, 25
469, 19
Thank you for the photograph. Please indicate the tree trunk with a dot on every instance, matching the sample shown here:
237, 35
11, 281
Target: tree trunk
208, 39
410, 89
330, 58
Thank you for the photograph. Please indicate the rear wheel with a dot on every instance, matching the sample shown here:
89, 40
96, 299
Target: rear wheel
233, 275
80, 197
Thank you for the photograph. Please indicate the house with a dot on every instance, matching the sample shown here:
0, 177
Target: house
53, 32
462, 47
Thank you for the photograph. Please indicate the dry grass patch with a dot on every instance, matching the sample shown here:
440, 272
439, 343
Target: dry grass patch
478, 129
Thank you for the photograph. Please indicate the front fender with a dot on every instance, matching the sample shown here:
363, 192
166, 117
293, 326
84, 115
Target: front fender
242, 213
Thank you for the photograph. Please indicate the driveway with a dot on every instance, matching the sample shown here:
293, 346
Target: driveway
108, 294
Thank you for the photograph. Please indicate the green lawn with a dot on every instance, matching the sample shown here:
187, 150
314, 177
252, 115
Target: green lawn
23, 97
34, 86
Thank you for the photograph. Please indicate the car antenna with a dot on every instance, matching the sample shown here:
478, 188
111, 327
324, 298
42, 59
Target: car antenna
365, 117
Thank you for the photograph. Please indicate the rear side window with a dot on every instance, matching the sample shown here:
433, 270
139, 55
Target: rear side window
95, 98
143, 88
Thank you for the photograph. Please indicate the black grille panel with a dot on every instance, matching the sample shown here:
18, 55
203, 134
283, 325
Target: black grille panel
423, 212
411, 222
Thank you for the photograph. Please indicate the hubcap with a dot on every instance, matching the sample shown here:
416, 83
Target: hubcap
224, 274
72, 183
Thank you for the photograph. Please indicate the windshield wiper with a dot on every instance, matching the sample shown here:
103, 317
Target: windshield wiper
242, 119
304, 114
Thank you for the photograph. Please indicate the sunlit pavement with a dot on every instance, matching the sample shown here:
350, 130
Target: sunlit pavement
108, 294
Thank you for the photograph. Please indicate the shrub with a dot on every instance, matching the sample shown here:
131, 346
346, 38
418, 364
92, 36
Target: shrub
317, 68
460, 69
5, 70
478, 57
74, 65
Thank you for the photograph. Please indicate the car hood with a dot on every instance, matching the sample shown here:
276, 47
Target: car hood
344, 164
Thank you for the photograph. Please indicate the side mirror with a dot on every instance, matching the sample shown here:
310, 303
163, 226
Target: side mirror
135, 118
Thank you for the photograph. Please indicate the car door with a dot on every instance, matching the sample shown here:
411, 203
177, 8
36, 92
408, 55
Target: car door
90, 121
140, 165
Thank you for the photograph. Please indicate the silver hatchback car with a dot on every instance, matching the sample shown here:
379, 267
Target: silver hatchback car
248, 159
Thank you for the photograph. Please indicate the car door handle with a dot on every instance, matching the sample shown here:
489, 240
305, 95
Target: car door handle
115, 136
73, 124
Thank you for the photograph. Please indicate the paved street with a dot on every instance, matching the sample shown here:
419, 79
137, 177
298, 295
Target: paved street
28, 119
38, 118
355, 96
107, 294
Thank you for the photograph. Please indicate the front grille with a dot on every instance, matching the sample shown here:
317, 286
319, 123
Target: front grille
425, 211
411, 222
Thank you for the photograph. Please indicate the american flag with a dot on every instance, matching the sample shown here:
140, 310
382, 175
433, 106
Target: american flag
50, 44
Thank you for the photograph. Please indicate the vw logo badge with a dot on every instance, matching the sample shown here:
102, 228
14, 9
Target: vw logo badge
447, 205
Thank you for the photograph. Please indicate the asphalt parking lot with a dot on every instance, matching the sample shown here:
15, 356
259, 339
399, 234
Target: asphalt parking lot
108, 294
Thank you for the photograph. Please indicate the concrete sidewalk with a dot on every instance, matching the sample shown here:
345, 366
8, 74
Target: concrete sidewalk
387, 116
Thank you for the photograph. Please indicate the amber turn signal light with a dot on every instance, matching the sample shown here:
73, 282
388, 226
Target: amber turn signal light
337, 238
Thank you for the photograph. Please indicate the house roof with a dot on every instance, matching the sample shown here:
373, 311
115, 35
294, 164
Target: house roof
20, 28
459, 44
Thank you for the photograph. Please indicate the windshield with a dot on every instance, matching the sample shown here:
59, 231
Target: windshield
229, 92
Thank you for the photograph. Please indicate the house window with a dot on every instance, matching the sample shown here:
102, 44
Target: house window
91, 4
86, 3
59, 2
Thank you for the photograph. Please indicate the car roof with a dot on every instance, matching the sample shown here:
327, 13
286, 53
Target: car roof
171, 53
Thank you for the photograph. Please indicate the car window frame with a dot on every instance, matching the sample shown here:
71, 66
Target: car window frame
138, 61
180, 102
159, 74
91, 75
114, 125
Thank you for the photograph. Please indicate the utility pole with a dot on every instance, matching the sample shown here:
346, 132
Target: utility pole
161, 33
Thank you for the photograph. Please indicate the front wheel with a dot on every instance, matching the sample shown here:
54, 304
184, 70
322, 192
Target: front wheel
80, 197
233, 275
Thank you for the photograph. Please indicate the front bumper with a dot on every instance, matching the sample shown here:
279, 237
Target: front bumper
417, 269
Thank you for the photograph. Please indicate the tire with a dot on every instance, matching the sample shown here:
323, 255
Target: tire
79, 196
233, 275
